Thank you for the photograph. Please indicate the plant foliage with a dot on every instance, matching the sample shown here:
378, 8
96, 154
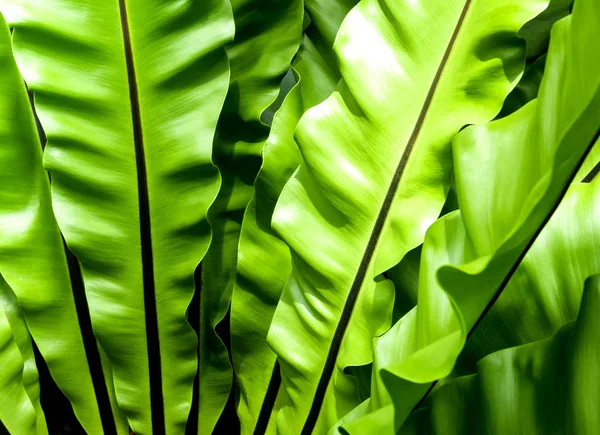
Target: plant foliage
300, 217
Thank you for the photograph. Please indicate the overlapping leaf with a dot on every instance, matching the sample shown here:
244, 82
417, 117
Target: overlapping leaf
527, 89
20, 408
545, 291
376, 172
258, 288
267, 36
128, 92
537, 32
33, 262
510, 175
591, 166
549, 386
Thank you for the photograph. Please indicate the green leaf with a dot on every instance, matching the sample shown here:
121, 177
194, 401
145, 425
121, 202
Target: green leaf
549, 386
450, 410
537, 31
545, 291
564, 125
590, 167
537, 36
128, 93
287, 83
376, 173
17, 412
20, 408
264, 262
527, 89
541, 146
405, 276
267, 36
32, 257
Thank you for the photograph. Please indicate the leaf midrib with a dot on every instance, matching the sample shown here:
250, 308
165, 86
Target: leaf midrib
588, 179
375, 235
152, 340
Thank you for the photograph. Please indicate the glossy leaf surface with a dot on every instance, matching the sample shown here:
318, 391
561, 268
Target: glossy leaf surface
549, 386
267, 36
20, 408
545, 291
258, 289
377, 169
129, 93
32, 257
541, 146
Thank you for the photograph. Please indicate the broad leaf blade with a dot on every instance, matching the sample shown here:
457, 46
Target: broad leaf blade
128, 93
541, 146
32, 256
376, 173
549, 386
264, 262
545, 291
267, 36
